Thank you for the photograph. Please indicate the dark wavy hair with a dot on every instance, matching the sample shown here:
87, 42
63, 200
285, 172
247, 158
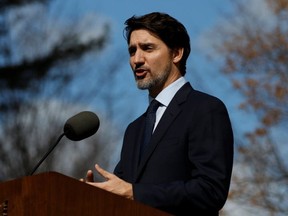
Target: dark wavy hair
168, 29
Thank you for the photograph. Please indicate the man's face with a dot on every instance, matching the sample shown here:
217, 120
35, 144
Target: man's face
151, 61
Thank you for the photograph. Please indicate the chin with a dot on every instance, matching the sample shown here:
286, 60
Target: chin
141, 84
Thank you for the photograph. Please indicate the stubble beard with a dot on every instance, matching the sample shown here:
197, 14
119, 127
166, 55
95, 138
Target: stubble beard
154, 82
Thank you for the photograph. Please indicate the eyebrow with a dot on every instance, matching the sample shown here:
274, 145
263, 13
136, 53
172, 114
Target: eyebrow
142, 45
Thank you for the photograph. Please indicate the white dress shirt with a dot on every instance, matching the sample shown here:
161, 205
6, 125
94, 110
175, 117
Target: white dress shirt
165, 97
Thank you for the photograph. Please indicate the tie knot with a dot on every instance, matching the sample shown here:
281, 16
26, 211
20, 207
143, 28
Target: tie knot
153, 106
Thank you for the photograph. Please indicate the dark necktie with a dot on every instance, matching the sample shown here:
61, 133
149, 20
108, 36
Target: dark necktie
149, 122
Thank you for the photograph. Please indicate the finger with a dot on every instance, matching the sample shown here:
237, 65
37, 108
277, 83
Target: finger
89, 176
102, 172
98, 184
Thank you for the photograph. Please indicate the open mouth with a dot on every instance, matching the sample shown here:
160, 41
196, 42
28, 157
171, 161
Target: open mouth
140, 73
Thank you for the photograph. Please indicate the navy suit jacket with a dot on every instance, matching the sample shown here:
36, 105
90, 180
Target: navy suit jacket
186, 168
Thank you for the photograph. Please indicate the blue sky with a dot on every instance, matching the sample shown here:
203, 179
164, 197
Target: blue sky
198, 16
195, 15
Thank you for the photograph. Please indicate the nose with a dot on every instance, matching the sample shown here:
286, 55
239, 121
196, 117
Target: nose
138, 58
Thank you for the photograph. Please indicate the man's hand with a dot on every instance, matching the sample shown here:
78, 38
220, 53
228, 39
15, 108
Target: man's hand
112, 184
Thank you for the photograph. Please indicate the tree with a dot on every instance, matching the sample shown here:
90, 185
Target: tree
26, 61
253, 47
41, 60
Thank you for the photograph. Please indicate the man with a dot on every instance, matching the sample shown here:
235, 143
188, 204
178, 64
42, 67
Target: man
185, 167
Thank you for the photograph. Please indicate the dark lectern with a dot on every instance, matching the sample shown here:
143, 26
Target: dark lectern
53, 194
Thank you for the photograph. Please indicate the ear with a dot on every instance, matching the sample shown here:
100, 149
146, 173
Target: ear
177, 55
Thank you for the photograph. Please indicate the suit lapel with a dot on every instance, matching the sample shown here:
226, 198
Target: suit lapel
172, 111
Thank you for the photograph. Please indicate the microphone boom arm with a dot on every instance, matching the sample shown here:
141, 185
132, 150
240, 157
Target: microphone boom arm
46, 155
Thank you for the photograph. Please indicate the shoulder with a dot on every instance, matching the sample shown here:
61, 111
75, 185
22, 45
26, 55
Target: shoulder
200, 103
136, 124
198, 98
204, 97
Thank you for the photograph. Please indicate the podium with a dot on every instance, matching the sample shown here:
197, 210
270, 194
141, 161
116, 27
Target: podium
54, 194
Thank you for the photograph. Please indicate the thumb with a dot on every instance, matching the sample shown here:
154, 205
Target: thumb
89, 176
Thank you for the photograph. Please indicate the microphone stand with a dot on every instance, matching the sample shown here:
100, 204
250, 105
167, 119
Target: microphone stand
46, 155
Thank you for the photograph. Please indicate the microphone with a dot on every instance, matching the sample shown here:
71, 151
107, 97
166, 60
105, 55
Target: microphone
78, 127
81, 126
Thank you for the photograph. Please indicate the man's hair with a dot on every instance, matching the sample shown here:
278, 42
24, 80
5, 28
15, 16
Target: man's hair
168, 29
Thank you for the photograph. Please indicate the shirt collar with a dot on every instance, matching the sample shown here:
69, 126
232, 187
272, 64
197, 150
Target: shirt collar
166, 95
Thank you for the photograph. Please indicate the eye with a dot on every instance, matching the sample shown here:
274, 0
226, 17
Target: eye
131, 51
148, 47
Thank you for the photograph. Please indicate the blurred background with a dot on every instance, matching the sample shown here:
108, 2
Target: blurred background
59, 57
